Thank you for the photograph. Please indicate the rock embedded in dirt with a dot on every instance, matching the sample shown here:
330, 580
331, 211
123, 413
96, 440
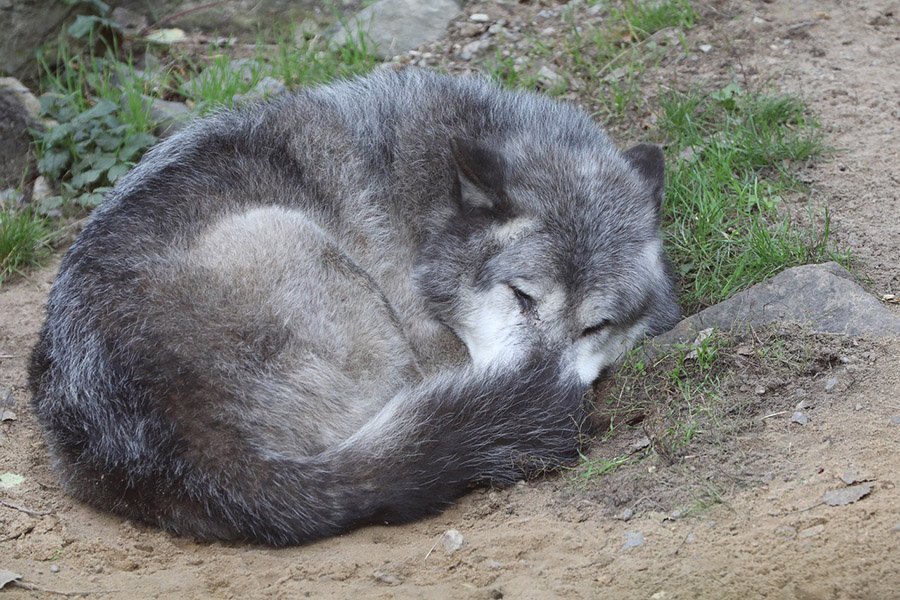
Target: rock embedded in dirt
799, 418
626, 515
633, 539
895, 420
830, 383
823, 298
452, 540
848, 495
398, 26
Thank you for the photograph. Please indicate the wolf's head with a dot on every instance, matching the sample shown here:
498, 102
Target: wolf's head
556, 247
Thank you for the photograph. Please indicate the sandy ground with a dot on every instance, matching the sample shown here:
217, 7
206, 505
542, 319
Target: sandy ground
768, 535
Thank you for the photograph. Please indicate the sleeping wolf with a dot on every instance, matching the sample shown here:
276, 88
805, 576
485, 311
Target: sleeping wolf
347, 306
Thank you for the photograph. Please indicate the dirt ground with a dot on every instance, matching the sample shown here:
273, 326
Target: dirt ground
767, 535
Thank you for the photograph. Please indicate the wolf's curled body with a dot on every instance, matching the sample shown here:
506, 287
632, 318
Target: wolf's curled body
347, 306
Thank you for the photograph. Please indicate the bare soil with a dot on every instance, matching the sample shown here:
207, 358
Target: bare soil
737, 516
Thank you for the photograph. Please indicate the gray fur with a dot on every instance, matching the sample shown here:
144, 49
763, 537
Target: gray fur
263, 332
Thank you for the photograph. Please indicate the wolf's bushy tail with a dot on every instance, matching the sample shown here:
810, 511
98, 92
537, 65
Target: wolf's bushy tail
428, 446
425, 448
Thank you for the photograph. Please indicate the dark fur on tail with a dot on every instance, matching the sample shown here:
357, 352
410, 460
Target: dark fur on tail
432, 443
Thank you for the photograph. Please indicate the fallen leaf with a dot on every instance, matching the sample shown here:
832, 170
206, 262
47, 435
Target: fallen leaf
848, 495
8, 577
166, 36
698, 342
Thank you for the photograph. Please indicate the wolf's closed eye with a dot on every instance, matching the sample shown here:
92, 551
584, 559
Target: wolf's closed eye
526, 303
595, 328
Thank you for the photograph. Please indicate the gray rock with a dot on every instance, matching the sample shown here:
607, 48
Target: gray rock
633, 539
472, 49
397, 26
823, 298
266, 88
799, 418
549, 78
895, 420
452, 540
28, 24
19, 111
169, 117
626, 514
830, 383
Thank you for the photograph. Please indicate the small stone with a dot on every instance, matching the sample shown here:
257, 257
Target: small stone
759, 390
496, 28
799, 418
452, 540
471, 49
470, 29
705, 48
54, 568
895, 420
758, 20
626, 515
633, 539
830, 383
548, 31
386, 577
638, 445
496, 593
479, 18
549, 78
493, 565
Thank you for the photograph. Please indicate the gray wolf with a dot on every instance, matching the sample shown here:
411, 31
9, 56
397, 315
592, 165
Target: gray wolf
348, 306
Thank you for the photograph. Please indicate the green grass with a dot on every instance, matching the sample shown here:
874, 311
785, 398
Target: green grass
643, 18
732, 158
101, 102
591, 467
23, 241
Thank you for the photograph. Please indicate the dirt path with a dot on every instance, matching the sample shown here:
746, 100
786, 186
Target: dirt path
768, 537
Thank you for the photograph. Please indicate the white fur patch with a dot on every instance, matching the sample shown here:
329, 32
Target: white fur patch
489, 329
589, 357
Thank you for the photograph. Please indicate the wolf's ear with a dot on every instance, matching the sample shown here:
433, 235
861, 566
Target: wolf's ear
649, 161
480, 172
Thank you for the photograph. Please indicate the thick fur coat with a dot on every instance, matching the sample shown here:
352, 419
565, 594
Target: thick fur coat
347, 306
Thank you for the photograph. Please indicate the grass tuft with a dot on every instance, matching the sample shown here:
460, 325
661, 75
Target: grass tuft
732, 156
23, 241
